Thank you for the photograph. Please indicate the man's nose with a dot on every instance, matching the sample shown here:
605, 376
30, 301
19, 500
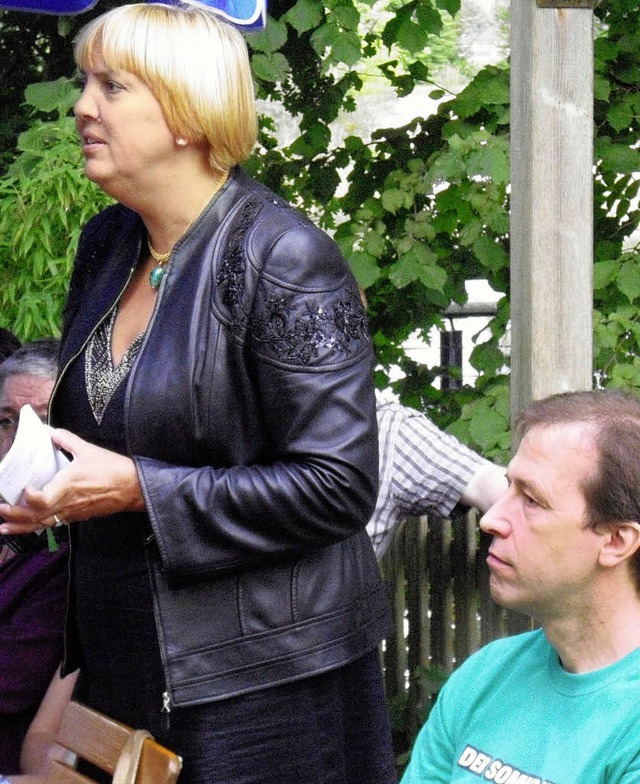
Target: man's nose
495, 521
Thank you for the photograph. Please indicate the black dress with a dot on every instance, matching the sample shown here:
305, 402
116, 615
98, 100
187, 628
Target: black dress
331, 728
112, 600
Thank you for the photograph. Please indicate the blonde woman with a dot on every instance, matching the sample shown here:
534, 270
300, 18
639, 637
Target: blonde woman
215, 394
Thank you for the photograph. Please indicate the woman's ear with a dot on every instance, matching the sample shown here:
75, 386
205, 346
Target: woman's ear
622, 543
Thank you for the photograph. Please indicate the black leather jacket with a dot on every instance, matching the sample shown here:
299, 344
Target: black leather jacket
250, 416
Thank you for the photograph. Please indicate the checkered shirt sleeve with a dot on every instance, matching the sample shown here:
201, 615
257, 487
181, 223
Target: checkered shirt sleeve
422, 470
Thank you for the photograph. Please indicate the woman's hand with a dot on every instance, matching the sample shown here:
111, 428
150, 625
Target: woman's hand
96, 483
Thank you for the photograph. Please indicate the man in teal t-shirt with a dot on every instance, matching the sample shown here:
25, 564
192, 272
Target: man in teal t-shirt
559, 705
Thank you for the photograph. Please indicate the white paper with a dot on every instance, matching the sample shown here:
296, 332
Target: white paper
32, 461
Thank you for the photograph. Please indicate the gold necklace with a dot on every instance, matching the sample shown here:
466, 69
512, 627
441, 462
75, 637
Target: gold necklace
157, 273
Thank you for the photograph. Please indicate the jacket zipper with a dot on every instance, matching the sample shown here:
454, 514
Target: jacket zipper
167, 702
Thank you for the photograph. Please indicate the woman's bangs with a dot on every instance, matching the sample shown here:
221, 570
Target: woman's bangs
113, 44
120, 45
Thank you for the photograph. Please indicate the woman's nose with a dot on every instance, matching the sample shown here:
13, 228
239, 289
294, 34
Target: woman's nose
85, 106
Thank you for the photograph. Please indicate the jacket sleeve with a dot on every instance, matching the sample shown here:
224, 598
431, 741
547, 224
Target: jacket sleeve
298, 367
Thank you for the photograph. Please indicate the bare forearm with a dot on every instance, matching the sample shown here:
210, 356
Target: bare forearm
487, 485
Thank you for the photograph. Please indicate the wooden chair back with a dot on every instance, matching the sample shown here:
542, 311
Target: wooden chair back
129, 756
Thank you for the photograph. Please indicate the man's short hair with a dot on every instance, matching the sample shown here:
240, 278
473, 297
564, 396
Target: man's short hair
37, 358
612, 493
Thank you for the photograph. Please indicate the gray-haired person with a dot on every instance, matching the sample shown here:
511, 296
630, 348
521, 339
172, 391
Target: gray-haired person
33, 580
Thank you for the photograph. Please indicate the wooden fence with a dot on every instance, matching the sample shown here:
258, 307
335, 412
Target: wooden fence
438, 583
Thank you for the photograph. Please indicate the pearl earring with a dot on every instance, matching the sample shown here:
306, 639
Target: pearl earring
181, 142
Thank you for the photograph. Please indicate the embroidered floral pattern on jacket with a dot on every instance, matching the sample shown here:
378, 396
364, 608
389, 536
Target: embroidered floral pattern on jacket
300, 335
295, 327
230, 278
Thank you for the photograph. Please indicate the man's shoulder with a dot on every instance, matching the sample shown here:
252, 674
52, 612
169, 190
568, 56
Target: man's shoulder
391, 410
514, 643
510, 651
408, 425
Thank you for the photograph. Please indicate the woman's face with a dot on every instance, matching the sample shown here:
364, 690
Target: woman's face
126, 142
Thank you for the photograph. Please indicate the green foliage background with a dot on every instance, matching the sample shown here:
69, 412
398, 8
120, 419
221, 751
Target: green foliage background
417, 210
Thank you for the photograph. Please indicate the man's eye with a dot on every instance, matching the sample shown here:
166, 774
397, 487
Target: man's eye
7, 424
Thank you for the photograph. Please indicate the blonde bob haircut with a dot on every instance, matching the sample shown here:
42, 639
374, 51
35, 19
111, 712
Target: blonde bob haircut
195, 63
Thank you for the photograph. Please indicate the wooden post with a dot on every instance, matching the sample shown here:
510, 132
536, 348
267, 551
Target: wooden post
551, 199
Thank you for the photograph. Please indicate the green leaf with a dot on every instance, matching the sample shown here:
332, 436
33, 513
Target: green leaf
607, 248
486, 428
451, 6
404, 272
364, 267
393, 199
606, 336
629, 280
490, 254
601, 88
432, 277
487, 358
616, 158
604, 272
57, 96
471, 231
325, 179
418, 264
323, 37
374, 244
271, 68
605, 50
347, 16
345, 48
429, 19
620, 116
490, 160
271, 39
490, 86
305, 15
412, 36
314, 140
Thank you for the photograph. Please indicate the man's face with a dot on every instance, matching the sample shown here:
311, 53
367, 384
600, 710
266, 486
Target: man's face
543, 558
19, 390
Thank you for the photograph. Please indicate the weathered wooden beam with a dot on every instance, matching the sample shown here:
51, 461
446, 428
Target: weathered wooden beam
551, 200
566, 3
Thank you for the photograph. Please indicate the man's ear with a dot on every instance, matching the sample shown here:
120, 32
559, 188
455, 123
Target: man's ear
621, 544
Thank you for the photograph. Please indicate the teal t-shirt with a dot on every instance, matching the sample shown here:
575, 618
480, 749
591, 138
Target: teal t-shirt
511, 715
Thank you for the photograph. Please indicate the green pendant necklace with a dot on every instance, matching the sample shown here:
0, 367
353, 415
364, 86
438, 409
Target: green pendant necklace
157, 273
161, 259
